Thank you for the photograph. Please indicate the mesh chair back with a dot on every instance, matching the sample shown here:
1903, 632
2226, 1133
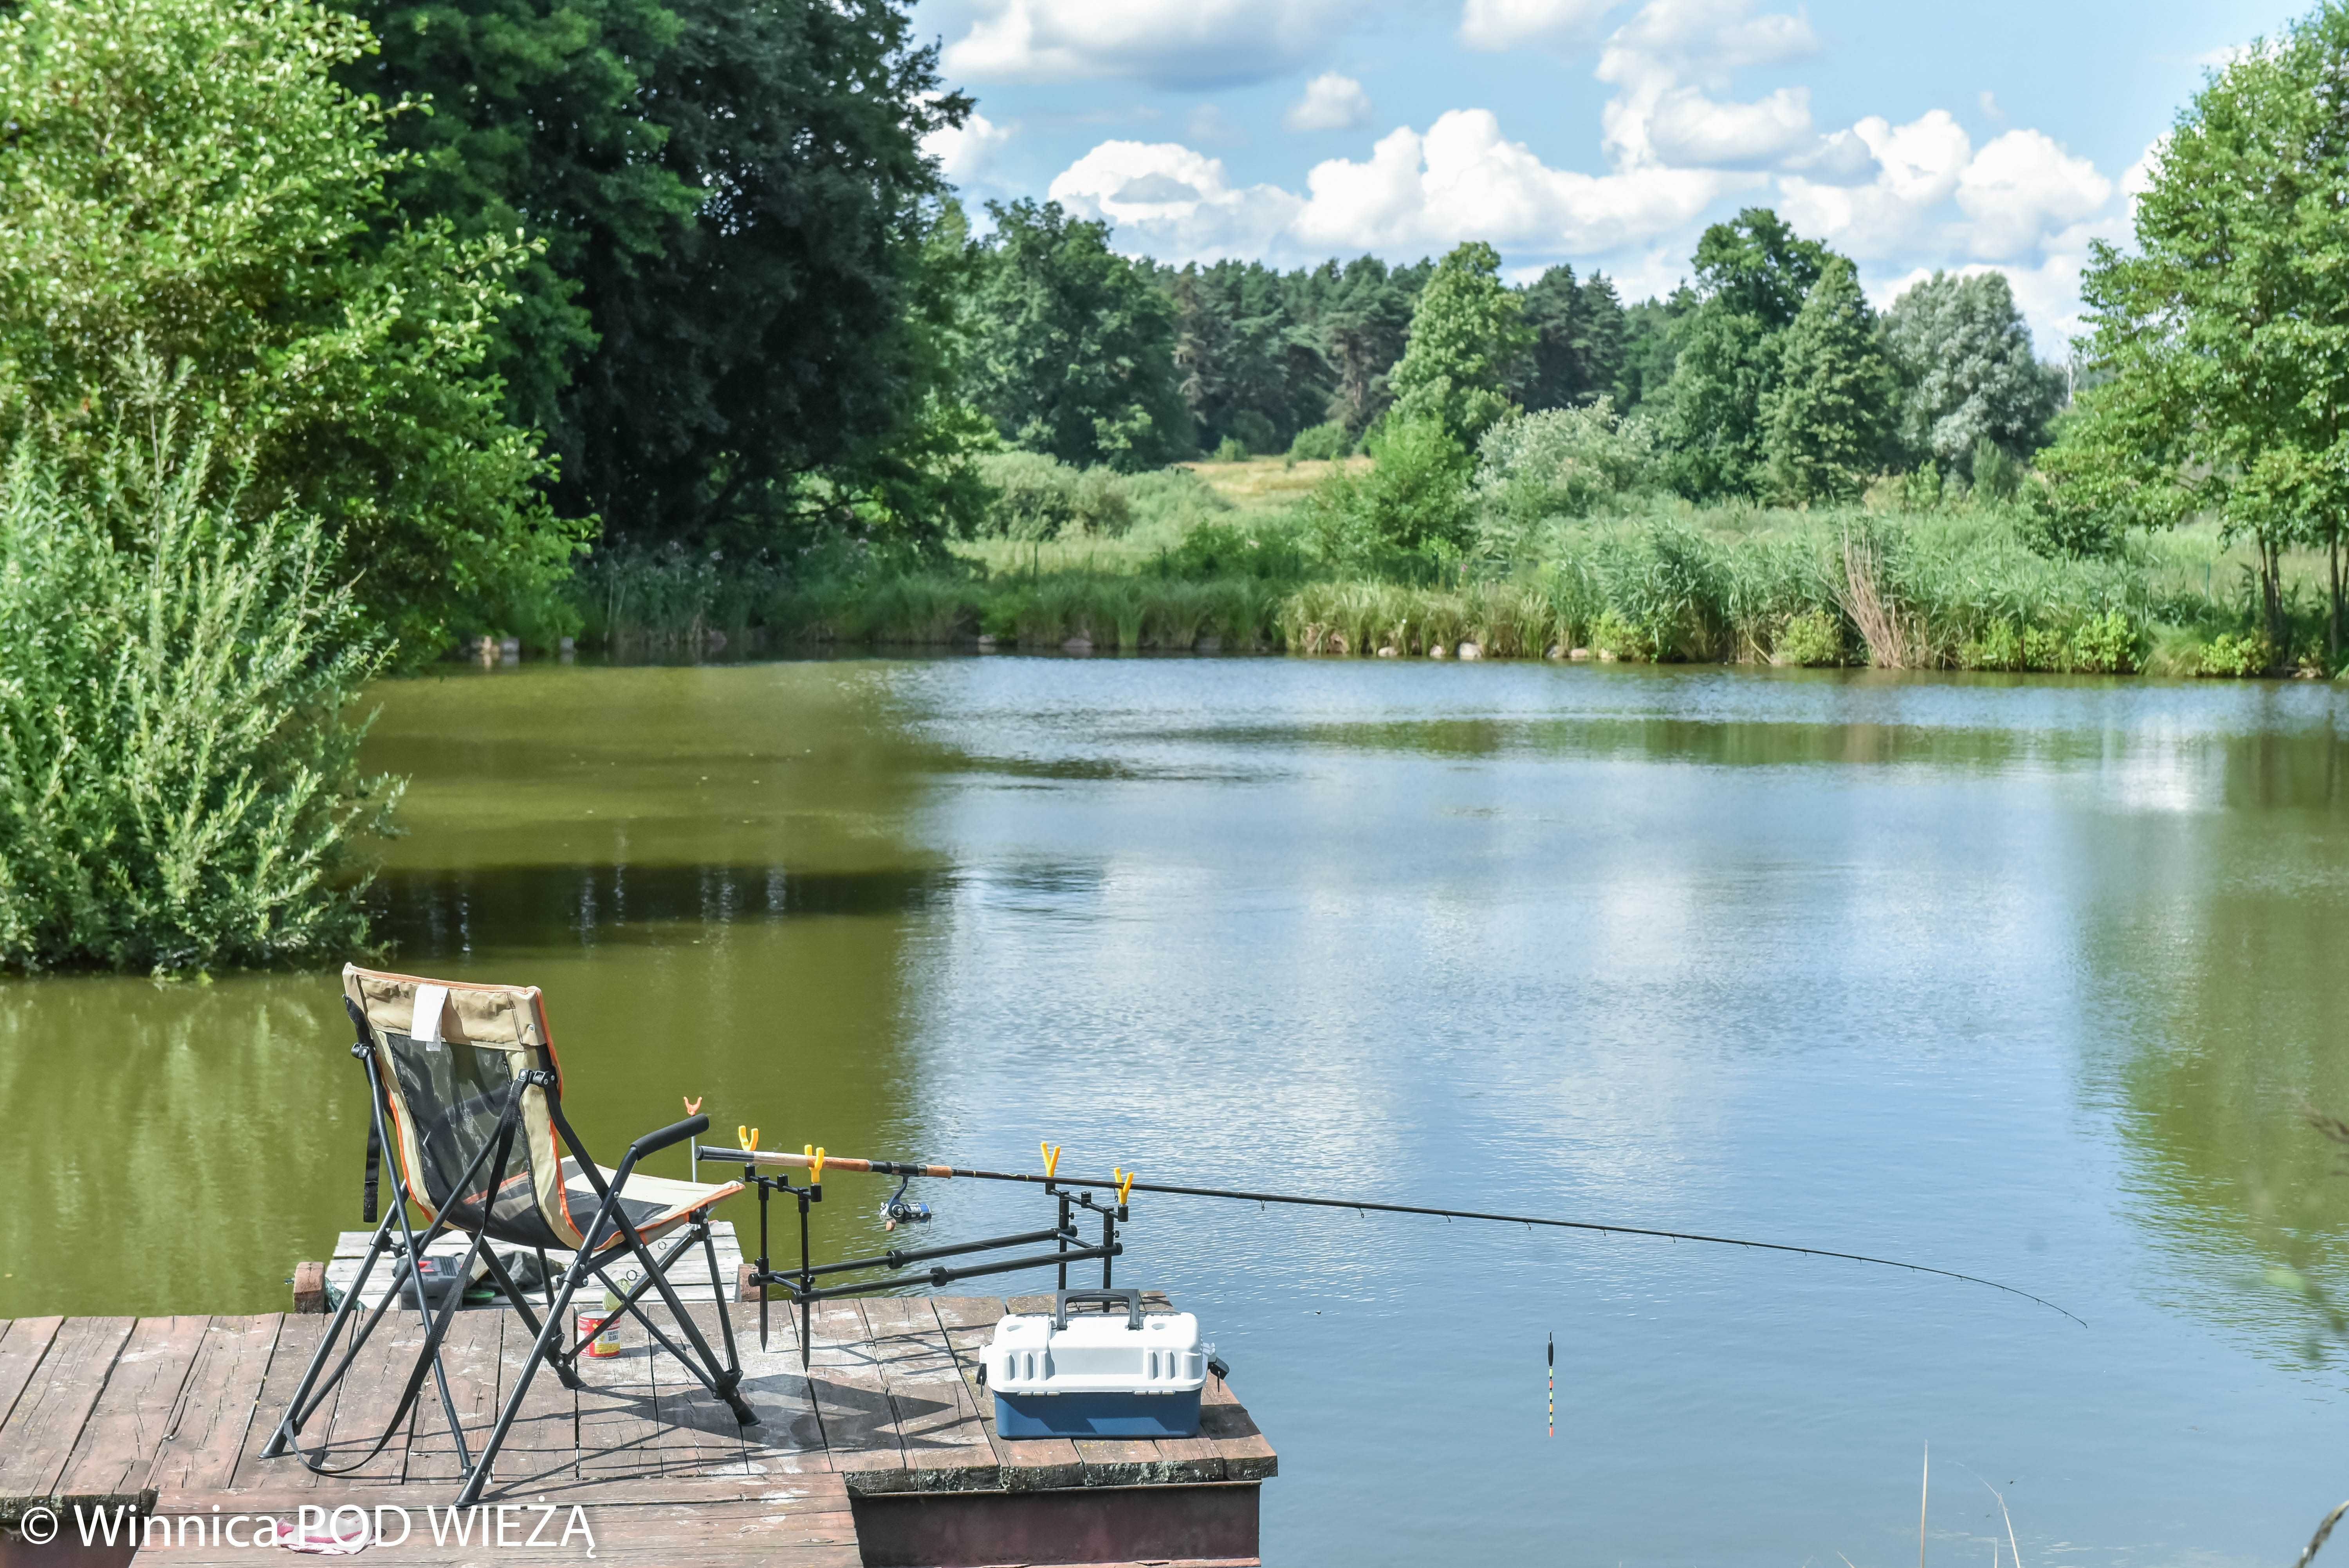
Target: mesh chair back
446, 1076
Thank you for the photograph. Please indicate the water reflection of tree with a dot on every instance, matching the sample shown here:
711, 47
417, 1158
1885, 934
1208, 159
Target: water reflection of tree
2217, 945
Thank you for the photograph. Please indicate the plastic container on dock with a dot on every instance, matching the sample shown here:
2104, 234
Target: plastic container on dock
1130, 1374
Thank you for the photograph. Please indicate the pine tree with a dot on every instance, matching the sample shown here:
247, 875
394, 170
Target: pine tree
1829, 420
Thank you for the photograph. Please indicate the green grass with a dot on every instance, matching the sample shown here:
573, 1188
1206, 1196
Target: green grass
1212, 554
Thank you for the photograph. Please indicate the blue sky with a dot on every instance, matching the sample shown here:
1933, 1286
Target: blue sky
2000, 133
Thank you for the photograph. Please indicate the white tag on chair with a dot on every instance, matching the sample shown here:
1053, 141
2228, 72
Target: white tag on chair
426, 1028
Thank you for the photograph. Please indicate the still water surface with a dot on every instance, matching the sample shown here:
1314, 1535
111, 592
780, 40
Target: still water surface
2027, 979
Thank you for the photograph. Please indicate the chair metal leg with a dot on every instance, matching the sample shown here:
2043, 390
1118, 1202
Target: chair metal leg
287, 1426
479, 1476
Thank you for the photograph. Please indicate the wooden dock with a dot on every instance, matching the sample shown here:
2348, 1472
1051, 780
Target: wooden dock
881, 1451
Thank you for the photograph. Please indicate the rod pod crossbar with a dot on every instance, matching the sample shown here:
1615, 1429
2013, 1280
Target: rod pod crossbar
801, 1283
1123, 1184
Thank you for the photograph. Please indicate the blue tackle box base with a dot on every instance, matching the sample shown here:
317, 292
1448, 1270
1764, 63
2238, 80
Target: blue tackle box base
1097, 1415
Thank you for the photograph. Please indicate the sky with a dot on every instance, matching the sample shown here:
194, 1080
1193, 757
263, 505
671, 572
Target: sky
2001, 134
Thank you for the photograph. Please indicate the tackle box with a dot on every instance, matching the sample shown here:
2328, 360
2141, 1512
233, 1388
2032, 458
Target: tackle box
1115, 1374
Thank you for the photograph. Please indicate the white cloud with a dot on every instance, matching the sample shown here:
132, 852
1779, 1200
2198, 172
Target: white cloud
1463, 179
1510, 23
964, 151
1175, 202
1918, 167
1686, 127
1668, 61
1416, 192
2022, 185
1170, 43
1331, 102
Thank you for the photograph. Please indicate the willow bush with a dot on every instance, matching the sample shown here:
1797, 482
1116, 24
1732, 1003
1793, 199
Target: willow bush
179, 780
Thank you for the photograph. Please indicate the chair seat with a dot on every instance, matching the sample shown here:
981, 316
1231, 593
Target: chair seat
653, 1204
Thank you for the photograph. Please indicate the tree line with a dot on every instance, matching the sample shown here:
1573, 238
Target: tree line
1240, 353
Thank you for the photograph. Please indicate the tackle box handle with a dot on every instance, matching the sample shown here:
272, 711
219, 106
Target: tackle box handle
1132, 1300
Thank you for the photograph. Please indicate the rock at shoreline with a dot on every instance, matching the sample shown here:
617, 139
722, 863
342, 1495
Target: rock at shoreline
1437, 650
1078, 645
1390, 651
1471, 651
1579, 655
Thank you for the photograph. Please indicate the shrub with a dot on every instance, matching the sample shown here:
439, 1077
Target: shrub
1998, 646
1262, 549
1998, 472
2107, 644
1560, 463
179, 785
1231, 449
1321, 443
1039, 497
1813, 637
2227, 654
1413, 503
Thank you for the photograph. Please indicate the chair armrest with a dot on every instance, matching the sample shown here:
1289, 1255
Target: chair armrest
653, 1142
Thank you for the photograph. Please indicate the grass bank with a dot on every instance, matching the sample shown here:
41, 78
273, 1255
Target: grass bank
1218, 555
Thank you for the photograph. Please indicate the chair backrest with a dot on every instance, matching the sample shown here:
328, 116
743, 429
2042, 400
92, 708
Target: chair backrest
445, 1056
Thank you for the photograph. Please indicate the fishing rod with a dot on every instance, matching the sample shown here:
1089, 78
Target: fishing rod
1123, 1182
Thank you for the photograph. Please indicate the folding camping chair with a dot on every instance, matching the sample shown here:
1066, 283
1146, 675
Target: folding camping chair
465, 1090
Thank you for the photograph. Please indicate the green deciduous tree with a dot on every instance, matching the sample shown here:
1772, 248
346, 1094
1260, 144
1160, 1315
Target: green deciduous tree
1827, 421
1469, 347
2227, 330
187, 184
1753, 275
1964, 351
726, 341
1073, 350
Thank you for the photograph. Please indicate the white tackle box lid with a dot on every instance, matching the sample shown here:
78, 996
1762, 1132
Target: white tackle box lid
1128, 1352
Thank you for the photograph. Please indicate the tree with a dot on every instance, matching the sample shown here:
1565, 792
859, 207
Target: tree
1469, 343
535, 124
1651, 333
725, 342
1365, 320
1252, 368
2227, 333
1964, 351
187, 186
1753, 275
1829, 420
1075, 345
1578, 340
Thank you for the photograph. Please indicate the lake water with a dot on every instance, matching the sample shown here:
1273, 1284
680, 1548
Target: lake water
2028, 978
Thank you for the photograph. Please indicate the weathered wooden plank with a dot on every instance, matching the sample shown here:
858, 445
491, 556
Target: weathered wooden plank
371, 1400
618, 1435
115, 1453
1225, 1423
469, 1353
820, 1492
726, 1534
1024, 1464
207, 1428
946, 1448
542, 1446
860, 1428
297, 1342
699, 1433
789, 1438
21, 1349
38, 1439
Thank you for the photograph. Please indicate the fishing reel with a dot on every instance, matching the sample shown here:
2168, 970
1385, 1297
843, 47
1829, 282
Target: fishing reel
903, 1210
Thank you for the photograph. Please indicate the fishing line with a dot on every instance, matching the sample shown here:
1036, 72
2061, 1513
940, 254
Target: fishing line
948, 1172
